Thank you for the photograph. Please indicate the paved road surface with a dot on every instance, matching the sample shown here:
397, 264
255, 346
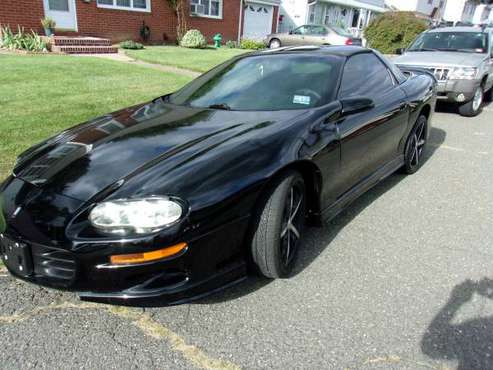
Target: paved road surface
398, 281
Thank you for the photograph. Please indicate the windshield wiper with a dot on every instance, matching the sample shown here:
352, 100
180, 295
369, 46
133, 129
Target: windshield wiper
458, 50
422, 49
220, 106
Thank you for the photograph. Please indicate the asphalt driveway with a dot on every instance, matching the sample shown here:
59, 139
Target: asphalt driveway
398, 281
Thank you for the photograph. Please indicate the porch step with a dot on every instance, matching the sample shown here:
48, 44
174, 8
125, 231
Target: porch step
84, 49
80, 41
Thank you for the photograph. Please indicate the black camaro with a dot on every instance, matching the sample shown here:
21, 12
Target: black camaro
172, 199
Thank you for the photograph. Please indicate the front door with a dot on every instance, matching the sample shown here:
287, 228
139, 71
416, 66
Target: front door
62, 12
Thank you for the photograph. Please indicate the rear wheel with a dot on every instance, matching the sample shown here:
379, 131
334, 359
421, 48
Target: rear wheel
473, 107
274, 44
415, 145
279, 227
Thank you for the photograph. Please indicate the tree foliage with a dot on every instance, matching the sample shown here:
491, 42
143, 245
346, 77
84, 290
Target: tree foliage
393, 30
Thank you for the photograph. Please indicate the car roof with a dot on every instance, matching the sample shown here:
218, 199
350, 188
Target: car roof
458, 29
341, 51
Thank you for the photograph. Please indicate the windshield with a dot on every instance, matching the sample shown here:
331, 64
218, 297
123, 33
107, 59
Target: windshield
265, 82
475, 42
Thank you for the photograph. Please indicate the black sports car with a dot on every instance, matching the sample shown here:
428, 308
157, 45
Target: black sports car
172, 199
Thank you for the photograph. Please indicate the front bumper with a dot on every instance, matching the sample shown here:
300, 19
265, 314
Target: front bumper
457, 90
37, 222
210, 262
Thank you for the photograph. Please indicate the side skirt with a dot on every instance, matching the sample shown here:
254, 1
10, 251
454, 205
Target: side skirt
362, 187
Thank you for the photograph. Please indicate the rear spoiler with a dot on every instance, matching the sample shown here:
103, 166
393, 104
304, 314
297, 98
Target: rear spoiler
416, 71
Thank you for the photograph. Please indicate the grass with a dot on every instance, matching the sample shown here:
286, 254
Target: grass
42, 95
199, 60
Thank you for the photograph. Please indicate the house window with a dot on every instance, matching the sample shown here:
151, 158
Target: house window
207, 8
135, 5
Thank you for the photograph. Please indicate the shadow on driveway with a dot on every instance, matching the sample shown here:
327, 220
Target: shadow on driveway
471, 341
307, 254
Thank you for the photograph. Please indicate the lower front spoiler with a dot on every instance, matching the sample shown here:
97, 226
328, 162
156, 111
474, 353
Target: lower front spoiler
170, 296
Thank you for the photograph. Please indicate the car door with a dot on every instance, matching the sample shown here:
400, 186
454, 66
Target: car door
316, 35
370, 139
296, 37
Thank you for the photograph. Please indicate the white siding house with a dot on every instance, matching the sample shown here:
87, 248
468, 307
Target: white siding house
432, 9
350, 14
467, 11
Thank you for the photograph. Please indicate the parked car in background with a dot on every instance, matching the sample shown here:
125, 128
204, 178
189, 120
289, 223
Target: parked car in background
461, 58
312, 34
172, 199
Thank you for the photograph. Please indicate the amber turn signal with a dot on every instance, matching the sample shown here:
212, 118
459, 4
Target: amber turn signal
135, 258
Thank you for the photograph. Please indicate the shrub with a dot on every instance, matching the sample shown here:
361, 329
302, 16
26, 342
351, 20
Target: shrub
230, 44
193, 39
393, 30
48, 23
21, 40
252, 44
130, 44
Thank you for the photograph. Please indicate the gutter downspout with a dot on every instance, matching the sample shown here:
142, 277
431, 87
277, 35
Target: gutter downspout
240, 23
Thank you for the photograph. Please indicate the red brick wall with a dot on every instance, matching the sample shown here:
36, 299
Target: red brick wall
26, 13
227, 26
121, 25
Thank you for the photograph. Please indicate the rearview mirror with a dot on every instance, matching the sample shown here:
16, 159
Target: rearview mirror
400, 51
355, 105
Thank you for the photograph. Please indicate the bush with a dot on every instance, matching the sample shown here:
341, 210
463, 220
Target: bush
252, 44
230, 44
21, 40
393, 30
48, 23
130, 44
193, 39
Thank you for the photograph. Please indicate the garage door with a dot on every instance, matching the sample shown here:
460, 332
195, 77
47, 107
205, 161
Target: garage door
258, 21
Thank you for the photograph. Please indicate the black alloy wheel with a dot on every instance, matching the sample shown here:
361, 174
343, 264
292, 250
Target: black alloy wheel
416, 142
279, 227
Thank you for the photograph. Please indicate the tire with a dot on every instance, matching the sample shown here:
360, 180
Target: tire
473, 107
275, 239
415, 146
274, 44
488, 95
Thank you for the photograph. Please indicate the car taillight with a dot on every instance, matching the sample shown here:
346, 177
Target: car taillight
349, 41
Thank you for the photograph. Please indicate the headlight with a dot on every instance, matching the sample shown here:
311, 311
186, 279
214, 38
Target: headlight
135, 216
463, 74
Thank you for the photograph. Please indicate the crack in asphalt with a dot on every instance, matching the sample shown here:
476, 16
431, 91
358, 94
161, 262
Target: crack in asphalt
142, 320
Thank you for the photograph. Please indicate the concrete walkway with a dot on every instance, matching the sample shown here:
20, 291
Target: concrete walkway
122, 57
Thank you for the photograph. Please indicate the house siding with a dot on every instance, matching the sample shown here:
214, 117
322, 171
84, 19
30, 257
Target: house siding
118, 25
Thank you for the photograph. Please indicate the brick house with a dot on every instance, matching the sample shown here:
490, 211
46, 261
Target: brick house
122, 19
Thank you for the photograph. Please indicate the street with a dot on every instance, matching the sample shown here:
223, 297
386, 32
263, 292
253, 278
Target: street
398, 281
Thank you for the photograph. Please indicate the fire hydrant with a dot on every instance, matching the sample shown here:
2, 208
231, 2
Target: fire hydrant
217, 40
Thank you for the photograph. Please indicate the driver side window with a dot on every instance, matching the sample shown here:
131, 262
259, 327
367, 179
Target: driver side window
303, 30
365, 75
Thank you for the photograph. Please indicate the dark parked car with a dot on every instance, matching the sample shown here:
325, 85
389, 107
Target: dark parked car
172, 199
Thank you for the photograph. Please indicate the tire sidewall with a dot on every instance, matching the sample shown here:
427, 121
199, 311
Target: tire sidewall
409, 168
467, 109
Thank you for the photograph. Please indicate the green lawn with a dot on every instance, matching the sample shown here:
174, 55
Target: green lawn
42, 95
199, 60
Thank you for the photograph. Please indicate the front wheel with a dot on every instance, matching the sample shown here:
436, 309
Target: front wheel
274, 44
415, 145
473, 107
279, 227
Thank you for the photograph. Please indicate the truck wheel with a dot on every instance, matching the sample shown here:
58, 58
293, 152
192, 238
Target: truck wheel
473, 107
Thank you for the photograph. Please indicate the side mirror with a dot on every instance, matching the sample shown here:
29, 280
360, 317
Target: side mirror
290, 32
355, 105
400, 51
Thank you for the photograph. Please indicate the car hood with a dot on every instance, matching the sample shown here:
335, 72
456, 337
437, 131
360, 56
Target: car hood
440, 59
87, 159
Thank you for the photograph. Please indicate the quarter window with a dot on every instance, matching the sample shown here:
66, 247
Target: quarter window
365, 75
207, 8
137, 5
